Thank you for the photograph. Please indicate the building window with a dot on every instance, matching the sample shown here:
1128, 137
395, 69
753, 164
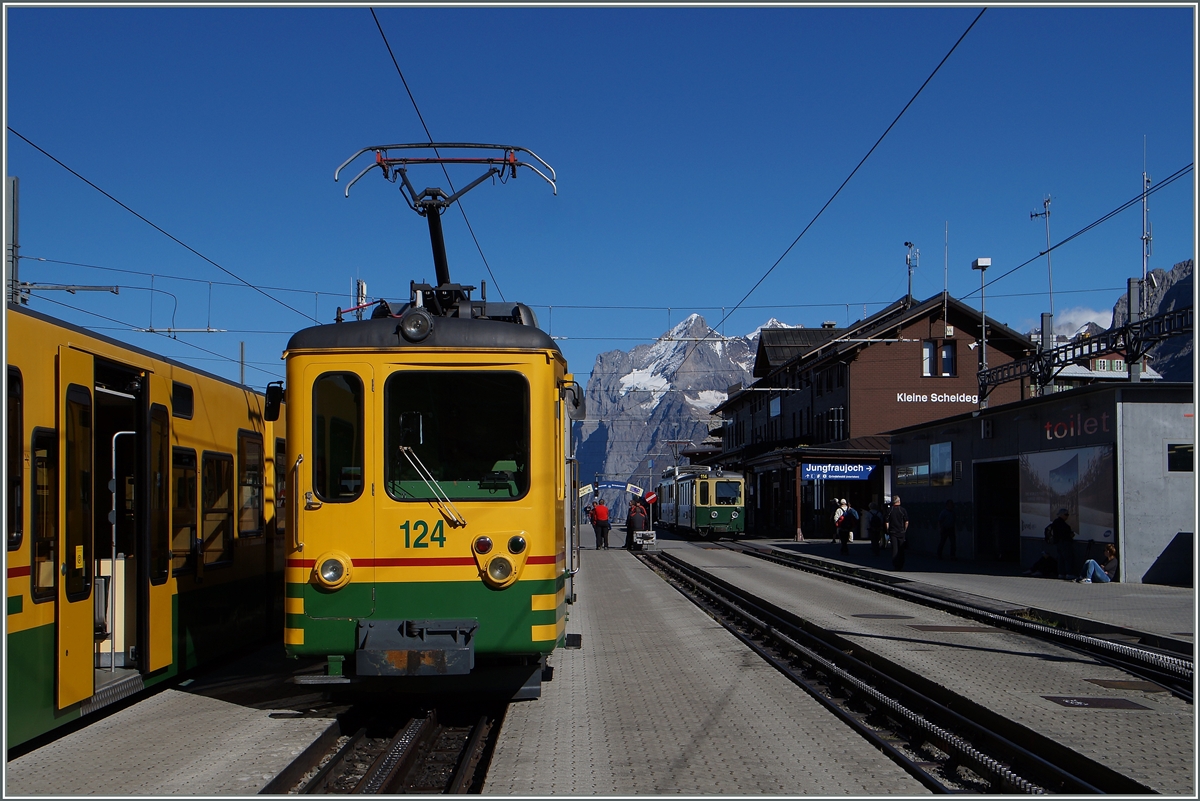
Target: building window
1101, 365
774, 407
949, 363
941, 464
928, 357
837, 423
1118, 365
1180, 457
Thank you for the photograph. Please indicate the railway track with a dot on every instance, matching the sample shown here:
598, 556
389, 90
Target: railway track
1172, 671
947, 742
433, 752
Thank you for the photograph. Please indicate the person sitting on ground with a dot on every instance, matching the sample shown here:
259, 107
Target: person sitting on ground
1094, 573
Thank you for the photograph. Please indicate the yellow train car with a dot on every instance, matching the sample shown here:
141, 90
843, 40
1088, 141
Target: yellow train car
435, 506
142, 535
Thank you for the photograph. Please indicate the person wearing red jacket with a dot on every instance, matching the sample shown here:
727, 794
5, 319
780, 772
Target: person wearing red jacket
601, 524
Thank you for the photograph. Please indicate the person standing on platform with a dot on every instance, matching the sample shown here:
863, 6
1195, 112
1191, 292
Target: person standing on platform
839, 509
635, 522
897, 530
1062, 535
846, 525
874, 527
600, 524
946, 530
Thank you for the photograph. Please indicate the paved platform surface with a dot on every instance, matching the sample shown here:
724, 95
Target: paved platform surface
1151, 608
661, 700
1153, 742
173, 743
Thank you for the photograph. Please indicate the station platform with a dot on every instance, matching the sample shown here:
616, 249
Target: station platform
1145, 611
1079, 702
226, 733
662, 700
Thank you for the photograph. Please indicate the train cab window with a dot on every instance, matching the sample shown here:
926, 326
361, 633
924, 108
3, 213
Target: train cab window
216, 513
281, 477
78, 487
468, 431
43, 517
250, 485
184, 509
729, 493
160, 493
15, 464
703, 492
183, 402
338, 437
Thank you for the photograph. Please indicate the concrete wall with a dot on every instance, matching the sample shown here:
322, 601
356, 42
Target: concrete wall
1158, 508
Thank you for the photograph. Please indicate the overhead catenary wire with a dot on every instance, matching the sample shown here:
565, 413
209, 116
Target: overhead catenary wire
158, 228
421, 117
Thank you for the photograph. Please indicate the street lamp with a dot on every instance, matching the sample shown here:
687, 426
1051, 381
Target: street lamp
982, 265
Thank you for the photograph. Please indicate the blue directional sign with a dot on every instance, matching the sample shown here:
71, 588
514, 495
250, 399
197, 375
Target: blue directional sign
836, 470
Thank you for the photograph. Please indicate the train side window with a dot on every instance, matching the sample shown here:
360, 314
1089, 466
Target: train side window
160, 492
216, 514
184, 509
703, 493
16, 459
281, 479
183, 401
43, 516
78, 487
250, 484
337, 437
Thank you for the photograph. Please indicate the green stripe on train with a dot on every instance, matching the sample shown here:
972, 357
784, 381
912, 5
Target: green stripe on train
505, 616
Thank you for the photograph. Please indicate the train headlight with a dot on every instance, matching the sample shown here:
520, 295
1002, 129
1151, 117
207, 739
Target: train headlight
332, 571
416, 324
733, 515
713, 514
499, 569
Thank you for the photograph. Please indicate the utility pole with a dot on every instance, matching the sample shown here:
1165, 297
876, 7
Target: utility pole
1033, 215
1147, 236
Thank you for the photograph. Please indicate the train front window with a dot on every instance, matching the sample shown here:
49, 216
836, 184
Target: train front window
729, 493
470, 430
337, 437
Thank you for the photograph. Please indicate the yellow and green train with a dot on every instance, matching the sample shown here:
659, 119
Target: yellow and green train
434, 510
142, 536
695, 499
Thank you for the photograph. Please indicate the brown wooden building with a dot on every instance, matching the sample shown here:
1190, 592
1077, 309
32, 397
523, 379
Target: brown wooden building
825, 396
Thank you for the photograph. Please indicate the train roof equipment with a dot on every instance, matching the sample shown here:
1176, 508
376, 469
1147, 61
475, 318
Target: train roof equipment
447, 299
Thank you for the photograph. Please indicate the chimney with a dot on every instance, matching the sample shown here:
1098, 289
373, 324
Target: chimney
829, 324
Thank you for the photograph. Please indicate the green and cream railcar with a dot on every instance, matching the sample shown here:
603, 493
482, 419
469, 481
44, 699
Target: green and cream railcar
697, 500
142, 538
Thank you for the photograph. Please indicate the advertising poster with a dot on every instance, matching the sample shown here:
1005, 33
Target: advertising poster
1078, 479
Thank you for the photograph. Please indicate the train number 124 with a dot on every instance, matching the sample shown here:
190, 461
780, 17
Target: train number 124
418, 535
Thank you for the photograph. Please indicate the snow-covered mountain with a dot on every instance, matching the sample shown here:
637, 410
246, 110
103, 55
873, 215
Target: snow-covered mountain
1172, 289
648, 404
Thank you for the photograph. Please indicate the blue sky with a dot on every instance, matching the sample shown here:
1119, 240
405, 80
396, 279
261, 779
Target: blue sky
692, 146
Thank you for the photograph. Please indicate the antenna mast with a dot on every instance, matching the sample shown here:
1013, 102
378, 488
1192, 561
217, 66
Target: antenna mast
1146, 233
912, 260
1033, 215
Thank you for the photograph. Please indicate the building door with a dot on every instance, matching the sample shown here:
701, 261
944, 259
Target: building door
997, 511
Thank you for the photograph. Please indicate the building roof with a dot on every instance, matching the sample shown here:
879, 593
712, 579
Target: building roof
777, 346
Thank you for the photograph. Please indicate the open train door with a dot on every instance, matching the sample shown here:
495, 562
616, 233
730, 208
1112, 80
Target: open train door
75, 624
155, 539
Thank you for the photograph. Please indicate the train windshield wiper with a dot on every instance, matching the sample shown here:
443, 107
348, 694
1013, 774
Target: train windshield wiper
449, 510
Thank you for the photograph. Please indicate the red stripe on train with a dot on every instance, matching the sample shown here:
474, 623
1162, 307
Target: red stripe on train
18, 572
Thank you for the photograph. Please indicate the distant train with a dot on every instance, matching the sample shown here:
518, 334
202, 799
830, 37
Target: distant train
435, 506
697, 500
142, 537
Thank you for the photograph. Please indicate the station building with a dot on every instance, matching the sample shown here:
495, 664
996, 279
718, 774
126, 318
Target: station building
1118, 456
812, 427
